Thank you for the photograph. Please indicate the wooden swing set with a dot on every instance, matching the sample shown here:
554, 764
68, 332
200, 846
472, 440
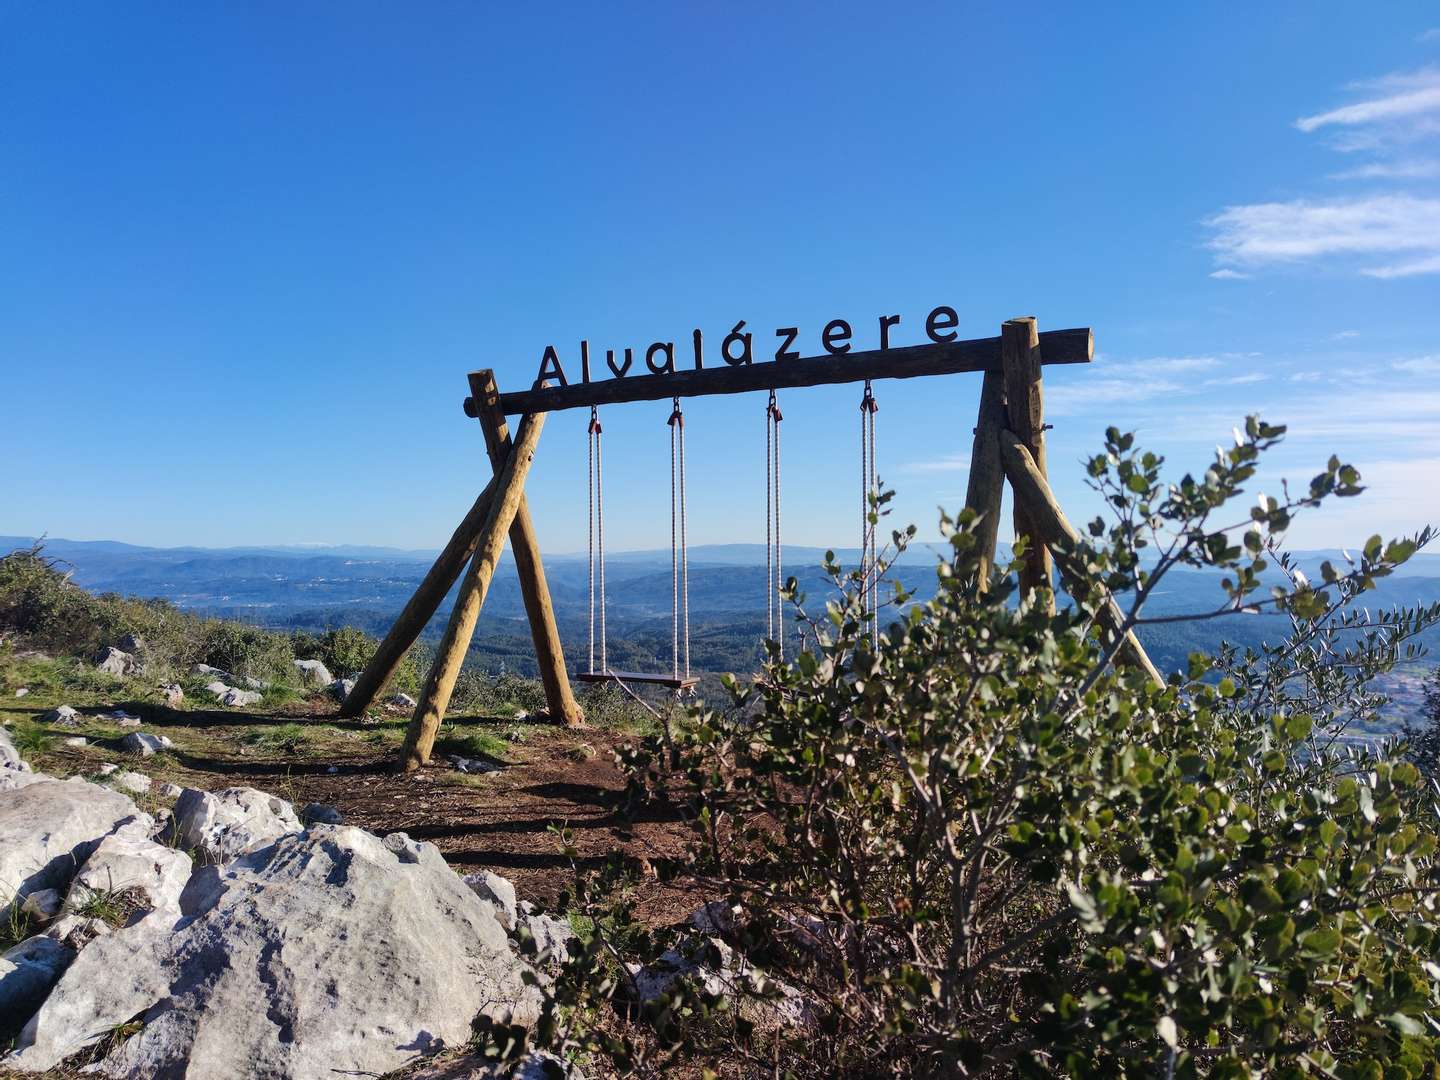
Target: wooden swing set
1008, 444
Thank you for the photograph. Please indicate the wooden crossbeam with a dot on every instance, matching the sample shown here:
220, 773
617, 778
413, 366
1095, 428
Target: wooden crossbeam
980, 354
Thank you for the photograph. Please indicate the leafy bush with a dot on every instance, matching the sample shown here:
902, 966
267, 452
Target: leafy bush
500, 696
247, 650
347, 650
980, 849
38, 599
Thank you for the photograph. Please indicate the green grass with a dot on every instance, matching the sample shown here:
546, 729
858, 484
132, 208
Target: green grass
288, 738
475, 744
111, 906
14, 928
30, 738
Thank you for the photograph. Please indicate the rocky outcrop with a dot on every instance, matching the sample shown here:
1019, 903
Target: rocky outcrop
49, 827
221, 825
340, 689
548, 937
61, 716
9, 755
313, 674
144, 744
325, 953
496, 891
233, 696
321, 814
132, 782
27, 972
174, 694
711, 965
117, 662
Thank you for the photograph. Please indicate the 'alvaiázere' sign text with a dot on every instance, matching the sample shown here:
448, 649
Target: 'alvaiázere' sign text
738, 347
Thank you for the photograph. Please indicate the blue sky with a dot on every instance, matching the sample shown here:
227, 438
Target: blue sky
249, 252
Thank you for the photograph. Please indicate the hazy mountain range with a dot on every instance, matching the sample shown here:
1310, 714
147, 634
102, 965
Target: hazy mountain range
320, 587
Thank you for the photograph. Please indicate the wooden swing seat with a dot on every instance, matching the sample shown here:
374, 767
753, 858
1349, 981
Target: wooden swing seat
683, 682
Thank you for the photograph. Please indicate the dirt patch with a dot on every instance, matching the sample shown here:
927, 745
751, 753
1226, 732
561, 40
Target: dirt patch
503, 820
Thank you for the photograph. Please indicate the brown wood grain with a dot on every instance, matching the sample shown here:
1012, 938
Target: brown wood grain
986, 487
525, 545
1020, 360
455, 643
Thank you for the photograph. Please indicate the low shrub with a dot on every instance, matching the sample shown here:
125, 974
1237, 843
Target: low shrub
977, 848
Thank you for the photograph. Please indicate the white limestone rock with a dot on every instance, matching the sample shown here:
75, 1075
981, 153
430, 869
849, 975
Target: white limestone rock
328, 953
321, 814
61, 716
222, 825
313, 674
133, 782
496, 891
145, 744
9, 753
117, 662
27, 972
49, 827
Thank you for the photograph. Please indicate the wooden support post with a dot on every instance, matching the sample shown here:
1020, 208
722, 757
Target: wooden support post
549, 654
987, 475
1025, 406
421, 607
450, 657
1043, 513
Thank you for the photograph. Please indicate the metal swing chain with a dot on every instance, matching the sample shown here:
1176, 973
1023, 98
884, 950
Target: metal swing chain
597, 503
769, 518
674, 423
590, 524
684, 545
774, 569
869, 480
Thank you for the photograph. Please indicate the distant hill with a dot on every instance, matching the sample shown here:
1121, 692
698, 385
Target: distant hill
323, 587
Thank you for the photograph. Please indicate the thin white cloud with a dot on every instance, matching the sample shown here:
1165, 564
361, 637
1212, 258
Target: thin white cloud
1419, 365
1238, 380
1410, 169
945, 464
1344, 335
1428, 265
1226, 274
1278, 232
1410, 95
1426, 36
1307, 376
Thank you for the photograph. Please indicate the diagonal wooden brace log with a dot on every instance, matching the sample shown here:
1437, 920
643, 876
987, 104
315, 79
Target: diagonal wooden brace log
1042, 511
421, 607
987, 476
450, 656
525, 546
1025, 404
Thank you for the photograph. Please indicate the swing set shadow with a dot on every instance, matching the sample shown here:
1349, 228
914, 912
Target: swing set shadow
1008, 446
